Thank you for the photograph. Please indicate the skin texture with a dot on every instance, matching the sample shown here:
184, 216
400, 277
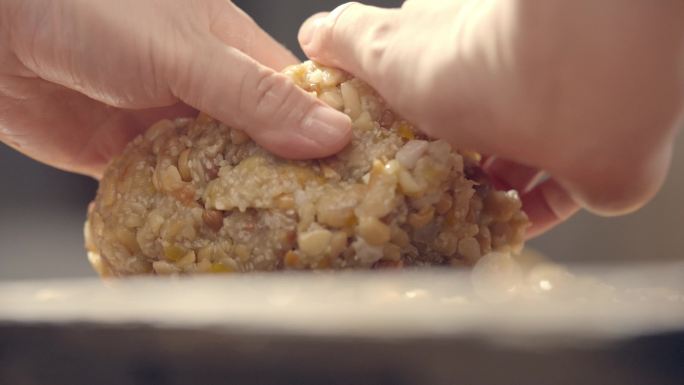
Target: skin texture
79, 79
578, 100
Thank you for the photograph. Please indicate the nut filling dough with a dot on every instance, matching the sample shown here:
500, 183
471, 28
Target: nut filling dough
195, 196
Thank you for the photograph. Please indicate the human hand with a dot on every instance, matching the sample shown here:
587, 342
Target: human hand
79, 79
588, 92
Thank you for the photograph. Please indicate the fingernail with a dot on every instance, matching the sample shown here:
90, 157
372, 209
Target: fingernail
327, 127
559, 199
309, 28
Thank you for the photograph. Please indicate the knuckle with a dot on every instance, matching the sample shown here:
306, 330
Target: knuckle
377, 39
185, 80
273, 96
266, 92
182, 83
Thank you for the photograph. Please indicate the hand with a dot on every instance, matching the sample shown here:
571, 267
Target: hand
79, 79
587, 91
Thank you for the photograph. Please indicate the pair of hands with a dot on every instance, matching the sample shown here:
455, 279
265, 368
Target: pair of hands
587, 92
79, 79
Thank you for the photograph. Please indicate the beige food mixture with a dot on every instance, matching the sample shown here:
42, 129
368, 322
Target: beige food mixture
194, 196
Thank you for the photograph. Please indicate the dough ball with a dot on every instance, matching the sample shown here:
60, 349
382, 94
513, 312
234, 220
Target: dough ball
195, 196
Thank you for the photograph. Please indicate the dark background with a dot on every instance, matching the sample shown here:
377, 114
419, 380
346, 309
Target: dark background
42, 209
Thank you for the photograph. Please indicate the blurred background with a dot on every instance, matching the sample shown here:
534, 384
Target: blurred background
42, 209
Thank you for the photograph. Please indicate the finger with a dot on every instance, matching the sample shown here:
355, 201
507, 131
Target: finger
234, 27
353, 37
101, 142
547, 205
234, 88
68, 130
512, 175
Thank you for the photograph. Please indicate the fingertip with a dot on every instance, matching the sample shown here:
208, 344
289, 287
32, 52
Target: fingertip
308, 29
316, 32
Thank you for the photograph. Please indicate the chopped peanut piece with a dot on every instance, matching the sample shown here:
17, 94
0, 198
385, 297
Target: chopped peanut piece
315, 242
421, 218
373, 231
213, 219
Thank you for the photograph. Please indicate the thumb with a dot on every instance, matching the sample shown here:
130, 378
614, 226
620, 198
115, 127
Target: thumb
237, 90
354, 37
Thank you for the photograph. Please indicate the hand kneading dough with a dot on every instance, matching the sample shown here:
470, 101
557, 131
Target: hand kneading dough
194, 196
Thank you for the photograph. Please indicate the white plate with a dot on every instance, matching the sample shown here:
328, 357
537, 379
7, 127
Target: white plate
423, 325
